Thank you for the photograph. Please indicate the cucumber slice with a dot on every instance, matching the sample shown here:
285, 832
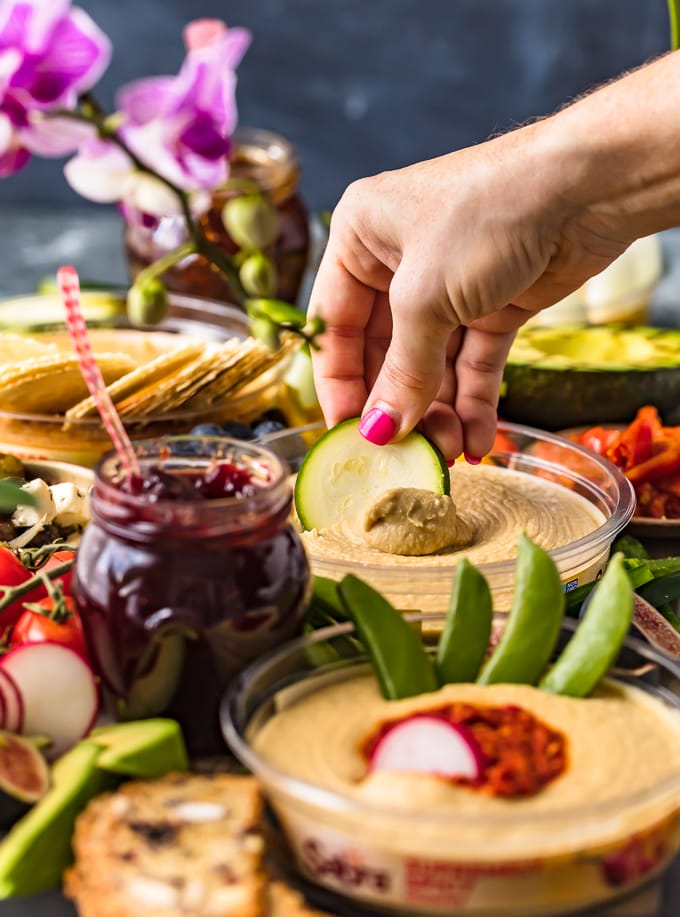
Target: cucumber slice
342, 473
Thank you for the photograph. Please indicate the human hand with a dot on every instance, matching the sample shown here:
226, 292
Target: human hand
428, 273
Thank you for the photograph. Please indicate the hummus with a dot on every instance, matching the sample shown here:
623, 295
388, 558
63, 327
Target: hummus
407, 520
621, 743
492, 507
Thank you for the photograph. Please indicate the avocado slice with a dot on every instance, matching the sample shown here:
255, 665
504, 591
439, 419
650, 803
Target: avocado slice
36, 851
144, 749
569, 375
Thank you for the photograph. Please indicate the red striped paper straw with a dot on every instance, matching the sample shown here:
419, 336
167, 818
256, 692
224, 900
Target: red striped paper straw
69, 285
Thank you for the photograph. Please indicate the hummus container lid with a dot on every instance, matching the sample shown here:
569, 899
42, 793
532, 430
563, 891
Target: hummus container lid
559, 860
426, 585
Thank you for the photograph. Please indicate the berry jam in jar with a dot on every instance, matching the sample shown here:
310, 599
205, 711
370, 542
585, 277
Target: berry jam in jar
185, 575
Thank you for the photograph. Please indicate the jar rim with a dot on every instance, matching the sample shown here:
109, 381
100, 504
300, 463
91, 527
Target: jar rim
119, 507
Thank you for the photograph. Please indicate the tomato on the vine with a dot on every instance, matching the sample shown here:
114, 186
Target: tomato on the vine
12, 573
51, 620
60, 557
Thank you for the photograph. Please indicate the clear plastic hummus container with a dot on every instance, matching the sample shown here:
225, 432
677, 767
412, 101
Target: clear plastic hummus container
407, 856
424, 583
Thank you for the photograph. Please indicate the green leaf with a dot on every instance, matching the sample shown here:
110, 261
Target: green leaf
11, 496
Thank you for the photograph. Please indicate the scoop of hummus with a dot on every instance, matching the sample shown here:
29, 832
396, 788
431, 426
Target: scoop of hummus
412, 521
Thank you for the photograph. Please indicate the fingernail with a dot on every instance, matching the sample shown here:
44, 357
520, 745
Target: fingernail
472, 459
377, 426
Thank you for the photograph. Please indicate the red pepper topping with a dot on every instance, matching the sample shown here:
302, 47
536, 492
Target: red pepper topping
521, 754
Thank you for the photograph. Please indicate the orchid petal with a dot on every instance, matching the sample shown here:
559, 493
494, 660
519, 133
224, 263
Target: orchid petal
30, 24
199, 33
145, 99
6, 133
150, 195
12, 160
100, 172
77, 55
10, 61
47, 136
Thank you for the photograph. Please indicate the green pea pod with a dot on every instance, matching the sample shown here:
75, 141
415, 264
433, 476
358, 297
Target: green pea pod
534, 620
661, 590
596, 643
401, 662
326, 597
631, 547
465, 638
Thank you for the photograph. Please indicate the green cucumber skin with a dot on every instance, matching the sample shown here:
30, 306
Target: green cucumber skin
534, 621
465, 638
592, 649
306, 493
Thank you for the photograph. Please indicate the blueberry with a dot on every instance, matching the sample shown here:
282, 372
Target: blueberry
273, 414
206, 429
265, 427
237, 430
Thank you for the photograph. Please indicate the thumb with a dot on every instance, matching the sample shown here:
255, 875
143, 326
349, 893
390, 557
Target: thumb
411, 374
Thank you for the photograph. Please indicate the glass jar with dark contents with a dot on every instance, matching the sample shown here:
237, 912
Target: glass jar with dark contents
269, 160
185, 575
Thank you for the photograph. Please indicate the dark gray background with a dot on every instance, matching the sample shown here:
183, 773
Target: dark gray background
366, 85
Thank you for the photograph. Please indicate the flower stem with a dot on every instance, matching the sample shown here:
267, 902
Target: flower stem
167, 261
674, 15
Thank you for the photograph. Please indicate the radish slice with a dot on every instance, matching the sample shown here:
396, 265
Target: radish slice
58, 689
429, 745
12, 703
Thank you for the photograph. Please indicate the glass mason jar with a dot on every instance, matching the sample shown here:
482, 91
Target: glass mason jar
271, 161
177, 595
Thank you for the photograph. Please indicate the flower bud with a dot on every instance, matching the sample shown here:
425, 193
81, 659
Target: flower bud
265, 331
258, 275
251, 220
147, 302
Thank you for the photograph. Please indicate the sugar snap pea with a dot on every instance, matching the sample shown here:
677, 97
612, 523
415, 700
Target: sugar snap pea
466, 633
401, 662
325, 598
534, 620
596, 642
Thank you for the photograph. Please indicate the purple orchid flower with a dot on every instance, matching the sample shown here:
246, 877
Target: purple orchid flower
50, 53
180, 127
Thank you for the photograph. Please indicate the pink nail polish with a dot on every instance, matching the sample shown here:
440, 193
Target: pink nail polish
450, 462
377, 427
472, 459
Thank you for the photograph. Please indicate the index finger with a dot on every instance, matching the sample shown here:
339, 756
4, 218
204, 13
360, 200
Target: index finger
345, 303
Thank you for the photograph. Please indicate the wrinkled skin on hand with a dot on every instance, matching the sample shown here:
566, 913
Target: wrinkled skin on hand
430, 270
428, 274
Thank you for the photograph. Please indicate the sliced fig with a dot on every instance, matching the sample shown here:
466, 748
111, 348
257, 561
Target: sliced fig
427, 744
652, 624
24, 776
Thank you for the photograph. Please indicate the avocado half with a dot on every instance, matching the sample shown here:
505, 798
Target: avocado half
565, 376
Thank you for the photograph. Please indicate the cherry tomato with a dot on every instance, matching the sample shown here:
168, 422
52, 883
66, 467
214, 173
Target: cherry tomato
36, 626
10, 615
12, 573
59, 557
